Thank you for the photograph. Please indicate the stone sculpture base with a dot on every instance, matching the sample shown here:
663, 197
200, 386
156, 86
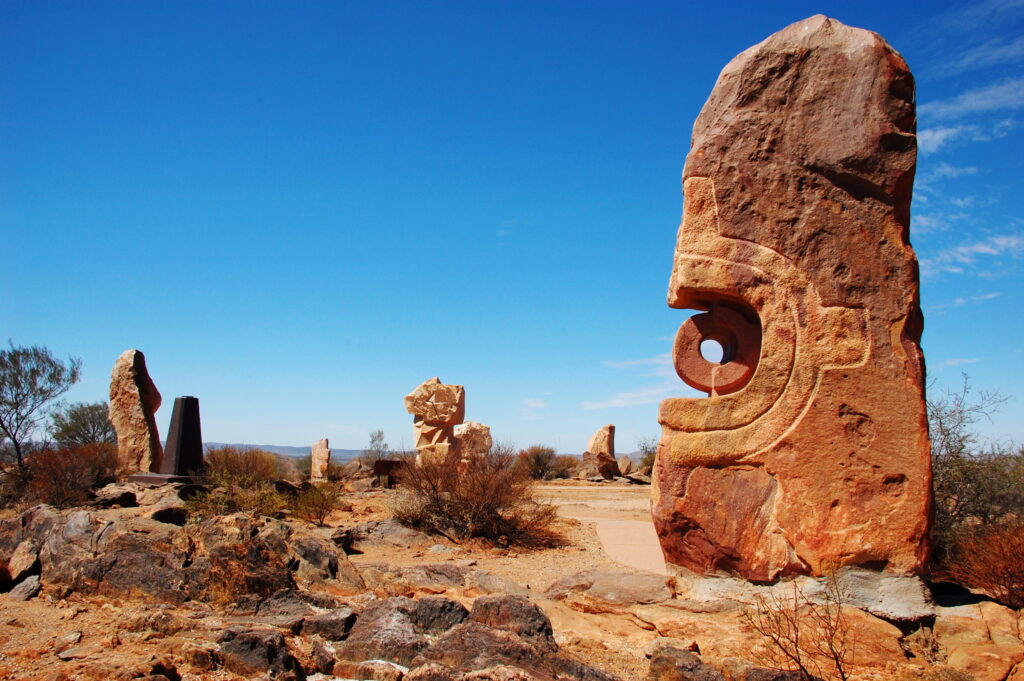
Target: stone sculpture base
165, 479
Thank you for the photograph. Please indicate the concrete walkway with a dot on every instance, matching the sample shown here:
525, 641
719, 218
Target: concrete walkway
621, 517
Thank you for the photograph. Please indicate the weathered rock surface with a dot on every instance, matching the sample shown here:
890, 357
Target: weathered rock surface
85, 552
320, 461
812, 449
134, 400
626, 465
474, 439
437, 403
599, 459
669, 663
618, 588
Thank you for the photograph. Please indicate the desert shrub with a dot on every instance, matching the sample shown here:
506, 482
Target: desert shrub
66, 477
648, 447
377, 449
315, 502
491, 498
230, 466
538, 461
258, 500
991, 558
564, 466
975, 483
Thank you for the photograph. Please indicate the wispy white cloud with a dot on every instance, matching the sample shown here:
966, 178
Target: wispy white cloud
947, 171
959, 259
958, 361
659, 365
631, 398
531, 407
1007, 95
963, 300
931, 140
993, 52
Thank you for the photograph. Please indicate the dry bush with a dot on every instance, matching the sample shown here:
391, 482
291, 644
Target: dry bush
66, 477
648, 447
230, 466
564, 466
991, 558
491, 498
260, 500
538, 461
315, 502
812, 639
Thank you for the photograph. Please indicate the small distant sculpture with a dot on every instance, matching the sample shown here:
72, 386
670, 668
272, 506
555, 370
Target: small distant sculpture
436, 408
599, 459
320, 461
184, 452
811, 450
134, 400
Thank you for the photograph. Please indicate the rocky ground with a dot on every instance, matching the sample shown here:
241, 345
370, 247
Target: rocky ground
136, 592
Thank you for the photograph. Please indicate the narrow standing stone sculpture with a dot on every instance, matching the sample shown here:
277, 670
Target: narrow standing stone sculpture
811, 451
320, 461
436, 408
184, 452
133, 403
599, 459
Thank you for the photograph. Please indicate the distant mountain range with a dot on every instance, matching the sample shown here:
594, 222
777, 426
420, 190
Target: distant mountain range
296, 452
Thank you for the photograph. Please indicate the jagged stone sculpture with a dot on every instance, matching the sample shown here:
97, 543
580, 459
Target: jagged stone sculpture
811, 450
319, 461
184, 452
474, 440
436, 408
599, 459
134, 400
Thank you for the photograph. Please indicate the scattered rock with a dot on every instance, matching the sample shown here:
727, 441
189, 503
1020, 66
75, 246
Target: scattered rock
669, 663
626, 466
29, 588
388, 531
332, 626
116, 495
619, 588
891, 597
518, 615
256, 651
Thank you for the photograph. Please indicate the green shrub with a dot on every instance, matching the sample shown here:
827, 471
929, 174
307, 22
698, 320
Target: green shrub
259, 500
230, 466
648, 447
315, 502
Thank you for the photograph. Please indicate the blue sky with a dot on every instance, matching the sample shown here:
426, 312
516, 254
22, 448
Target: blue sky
300, 211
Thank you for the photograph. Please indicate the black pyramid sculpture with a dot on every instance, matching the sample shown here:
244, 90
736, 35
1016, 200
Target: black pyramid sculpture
183, 454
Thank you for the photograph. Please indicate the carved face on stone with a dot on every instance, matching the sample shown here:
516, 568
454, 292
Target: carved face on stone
811, 448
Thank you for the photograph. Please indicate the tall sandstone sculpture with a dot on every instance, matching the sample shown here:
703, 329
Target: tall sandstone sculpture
599, 459
134, 400
319, 461
811, 450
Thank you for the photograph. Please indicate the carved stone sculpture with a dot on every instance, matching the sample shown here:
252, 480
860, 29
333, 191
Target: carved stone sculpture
319, 461
811, 450
599, 459
436, 408
133, 402
474, 439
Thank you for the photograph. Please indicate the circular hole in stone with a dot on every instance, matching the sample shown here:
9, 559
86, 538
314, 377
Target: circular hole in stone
712, 350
